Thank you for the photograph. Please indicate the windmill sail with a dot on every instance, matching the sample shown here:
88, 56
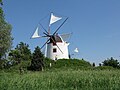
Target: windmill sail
54, 19
36, 35
65, 37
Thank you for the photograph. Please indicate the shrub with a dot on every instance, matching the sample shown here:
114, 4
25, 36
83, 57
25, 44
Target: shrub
111, 62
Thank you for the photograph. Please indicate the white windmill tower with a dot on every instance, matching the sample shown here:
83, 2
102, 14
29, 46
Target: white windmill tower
56, 46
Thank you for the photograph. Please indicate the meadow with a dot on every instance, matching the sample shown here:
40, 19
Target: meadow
58, 79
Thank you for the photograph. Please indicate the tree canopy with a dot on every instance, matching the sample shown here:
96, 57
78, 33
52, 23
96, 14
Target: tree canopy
5, 34
111, 62
21, 53
37, 60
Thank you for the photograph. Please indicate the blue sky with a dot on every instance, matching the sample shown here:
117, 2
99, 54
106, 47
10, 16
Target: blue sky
95, 24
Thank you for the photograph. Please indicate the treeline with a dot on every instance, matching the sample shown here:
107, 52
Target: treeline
21, 58
110, 62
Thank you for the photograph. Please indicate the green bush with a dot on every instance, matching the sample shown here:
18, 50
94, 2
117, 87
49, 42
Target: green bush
16, 68
111, 62
2, 63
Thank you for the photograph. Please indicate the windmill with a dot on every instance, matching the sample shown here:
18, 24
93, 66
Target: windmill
56, 46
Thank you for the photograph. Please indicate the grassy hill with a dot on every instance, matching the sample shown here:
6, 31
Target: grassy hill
67, 64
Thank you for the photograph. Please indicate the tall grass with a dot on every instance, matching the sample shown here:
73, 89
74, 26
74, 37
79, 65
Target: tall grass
61, 80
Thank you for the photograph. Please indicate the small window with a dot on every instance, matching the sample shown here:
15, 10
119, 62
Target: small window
54, 50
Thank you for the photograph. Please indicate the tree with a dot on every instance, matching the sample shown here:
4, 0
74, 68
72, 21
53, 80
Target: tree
15, 56
37, 60
5, 34
21, 53
111, 62
24, 50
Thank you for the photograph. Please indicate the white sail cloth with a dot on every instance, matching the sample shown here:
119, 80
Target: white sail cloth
54, 19
36, 35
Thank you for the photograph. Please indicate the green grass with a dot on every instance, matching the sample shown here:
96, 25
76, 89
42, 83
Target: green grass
61, 80
68, 64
